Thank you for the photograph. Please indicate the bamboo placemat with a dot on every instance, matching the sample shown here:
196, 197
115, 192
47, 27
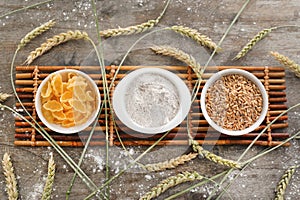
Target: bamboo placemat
28, 79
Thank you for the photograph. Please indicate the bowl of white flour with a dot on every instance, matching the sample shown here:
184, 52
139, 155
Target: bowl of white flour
151, 100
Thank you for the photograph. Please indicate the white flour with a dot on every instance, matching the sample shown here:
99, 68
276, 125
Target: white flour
152, 100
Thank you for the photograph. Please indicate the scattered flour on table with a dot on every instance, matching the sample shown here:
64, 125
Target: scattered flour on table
151, 100
36, 192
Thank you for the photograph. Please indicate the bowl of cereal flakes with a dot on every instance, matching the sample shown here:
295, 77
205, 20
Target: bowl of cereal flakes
67, 101
234, 102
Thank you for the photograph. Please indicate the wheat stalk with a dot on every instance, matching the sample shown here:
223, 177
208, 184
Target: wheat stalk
129, 30
283, 183
288, 63
11, 183
134, 29
35, 32
4, 96
210, 156
54, 41
171, 182
50, 179
195, 35
258, 37
171, 164
179, 55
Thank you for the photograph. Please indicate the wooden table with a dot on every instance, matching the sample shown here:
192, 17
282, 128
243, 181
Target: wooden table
211, 18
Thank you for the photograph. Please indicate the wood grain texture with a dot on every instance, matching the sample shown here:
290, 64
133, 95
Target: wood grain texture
210, 18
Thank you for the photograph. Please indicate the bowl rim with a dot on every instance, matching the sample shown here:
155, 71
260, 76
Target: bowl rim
252, 78
119, 106
56, 127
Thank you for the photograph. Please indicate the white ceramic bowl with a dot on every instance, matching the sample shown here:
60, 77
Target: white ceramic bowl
119, 100
76, 128
251, 77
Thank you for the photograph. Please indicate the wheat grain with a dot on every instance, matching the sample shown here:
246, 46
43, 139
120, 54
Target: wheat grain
171, 164
4, 96
134, 29
11, 183
54, 41
50, 179
171, 182
258, 37
36, 32
288, 63
179, 55
283, 183
195, 35
233, 102
210, 156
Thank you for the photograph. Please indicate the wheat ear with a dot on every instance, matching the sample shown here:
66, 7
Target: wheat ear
11, 183
210, 156
258, 37
54, 41
195, 35
288, 63
4, 96
171, 182
50, 179
283, 183
134, 29
179, 55
36, 32
171, 164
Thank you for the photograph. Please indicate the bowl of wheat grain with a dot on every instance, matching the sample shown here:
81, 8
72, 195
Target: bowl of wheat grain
234, 102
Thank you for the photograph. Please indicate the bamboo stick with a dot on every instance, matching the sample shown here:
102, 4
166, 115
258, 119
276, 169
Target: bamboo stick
127, 68
209, 68
276, 93
44, 75
148, 143
176, 129
193, 121
139, 136
201, 142
98, 76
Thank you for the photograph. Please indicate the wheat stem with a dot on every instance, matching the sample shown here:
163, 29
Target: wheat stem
212, 157
258, 37
11, 182
50, 179
54, 41
286, 62
36, 32
24, 8
283, 183
195, 35
136, 28
171, 182
171, 164
179, 55
4, 96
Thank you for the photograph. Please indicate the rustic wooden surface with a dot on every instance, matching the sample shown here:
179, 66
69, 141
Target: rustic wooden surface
211, 18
